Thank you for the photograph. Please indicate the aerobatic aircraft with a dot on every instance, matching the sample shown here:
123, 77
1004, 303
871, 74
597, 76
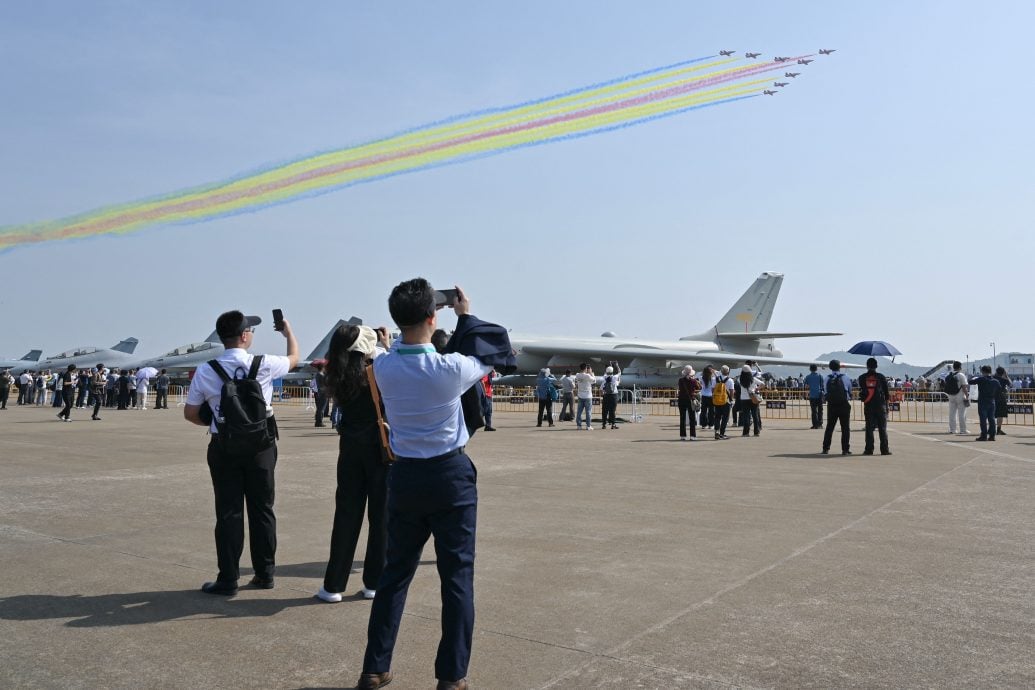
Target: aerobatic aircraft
767, 92
726, 53
781, 59
779, 83
792, 75
826, 51
752, 55
804, 62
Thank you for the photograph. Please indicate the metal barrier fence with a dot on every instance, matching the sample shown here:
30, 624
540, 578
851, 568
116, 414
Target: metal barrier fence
282, 395
779, 403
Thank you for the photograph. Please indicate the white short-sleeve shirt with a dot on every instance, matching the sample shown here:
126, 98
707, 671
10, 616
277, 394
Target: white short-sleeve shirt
207, 386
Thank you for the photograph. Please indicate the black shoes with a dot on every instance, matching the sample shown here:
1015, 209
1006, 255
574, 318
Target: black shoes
373, 681
489, 428
221, 587
261, 582
846, 452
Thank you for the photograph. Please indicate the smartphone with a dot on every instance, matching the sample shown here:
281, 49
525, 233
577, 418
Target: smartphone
445, 298
278, 320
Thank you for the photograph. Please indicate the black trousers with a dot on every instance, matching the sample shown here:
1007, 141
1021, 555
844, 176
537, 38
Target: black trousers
707, 412
817, 412
321, 409
4, 393
686, 411
362, 484
240, 482
838, 413
609, 405
876, 418
546, 405
80, 398
68, 396
161, 398
97, 403
722, 418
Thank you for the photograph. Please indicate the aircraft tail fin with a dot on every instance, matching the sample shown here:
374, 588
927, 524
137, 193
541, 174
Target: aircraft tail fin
752, 312
214, 338
127, 346
33, 355
320, 351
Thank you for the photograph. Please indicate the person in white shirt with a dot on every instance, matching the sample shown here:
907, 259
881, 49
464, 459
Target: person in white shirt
142, 384
567, 397
584, 381
240, 478
957, 388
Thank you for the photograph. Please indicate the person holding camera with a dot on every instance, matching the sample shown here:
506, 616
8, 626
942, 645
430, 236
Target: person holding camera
609, 395
432, 483
546, 393
241, 470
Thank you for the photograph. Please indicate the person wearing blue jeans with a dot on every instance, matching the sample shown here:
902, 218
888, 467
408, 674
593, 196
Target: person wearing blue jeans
584, 381
988, 389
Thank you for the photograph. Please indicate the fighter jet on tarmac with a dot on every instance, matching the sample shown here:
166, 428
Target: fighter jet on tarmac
118, 355
752, 55
767, 92
726, 53
17, 366
740, 335
792, 75
781, 59
780, 83
826, 51
804, 62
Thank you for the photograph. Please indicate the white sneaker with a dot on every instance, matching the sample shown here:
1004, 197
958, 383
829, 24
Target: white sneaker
589, 428
368, 593
329, 597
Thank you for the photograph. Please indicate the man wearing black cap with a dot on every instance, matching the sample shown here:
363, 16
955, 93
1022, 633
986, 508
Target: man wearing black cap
874, 395
240, 479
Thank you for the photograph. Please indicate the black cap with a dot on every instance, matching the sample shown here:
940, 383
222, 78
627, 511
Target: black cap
231, 324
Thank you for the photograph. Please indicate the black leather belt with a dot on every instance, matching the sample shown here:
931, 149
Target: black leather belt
444, 456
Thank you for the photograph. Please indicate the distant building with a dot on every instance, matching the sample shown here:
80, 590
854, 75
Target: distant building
1017, 364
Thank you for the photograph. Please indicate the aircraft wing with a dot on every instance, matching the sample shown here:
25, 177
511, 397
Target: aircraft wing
665, 355
759, 335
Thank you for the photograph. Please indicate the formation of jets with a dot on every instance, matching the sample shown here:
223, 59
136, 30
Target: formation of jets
804, 61
752, 55
781, 59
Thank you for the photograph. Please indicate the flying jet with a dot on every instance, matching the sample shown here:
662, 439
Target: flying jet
726, 53
752, 55
804, 61
767, 92
826, 51
792, 75
119, 355
780, 83
17, 366
739, 335
781, 59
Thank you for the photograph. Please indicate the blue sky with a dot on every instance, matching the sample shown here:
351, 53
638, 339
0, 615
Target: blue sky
890, 183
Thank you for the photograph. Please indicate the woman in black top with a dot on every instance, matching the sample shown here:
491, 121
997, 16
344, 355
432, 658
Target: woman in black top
361, 472
1002, 398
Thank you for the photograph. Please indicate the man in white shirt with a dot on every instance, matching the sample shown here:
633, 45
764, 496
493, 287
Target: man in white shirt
957, 388
584, 381
238, 478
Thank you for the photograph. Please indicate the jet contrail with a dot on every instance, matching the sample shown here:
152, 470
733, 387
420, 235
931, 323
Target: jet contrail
606, 106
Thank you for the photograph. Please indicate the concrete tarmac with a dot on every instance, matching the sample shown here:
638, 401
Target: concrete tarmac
606, 559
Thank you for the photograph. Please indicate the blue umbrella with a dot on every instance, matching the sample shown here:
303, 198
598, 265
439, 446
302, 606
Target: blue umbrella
874, 348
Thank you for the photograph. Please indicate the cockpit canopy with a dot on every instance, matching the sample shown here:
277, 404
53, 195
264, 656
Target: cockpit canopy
189, 349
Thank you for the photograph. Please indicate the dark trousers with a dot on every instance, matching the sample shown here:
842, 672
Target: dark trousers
57, 398
707, 412
123, 401
487, 410
97, 404
239, 482
567, 406
161, 398
817, 412
80, 398
750, 416
722, 418
609, 405
686, 411
109, 397
133, 398
428, 497
321, 408
986, 417
4, 393
876, 418
361, 485
547, 405
838, 413
68, 395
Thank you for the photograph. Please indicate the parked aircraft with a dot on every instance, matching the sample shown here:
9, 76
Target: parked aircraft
804, 62
781, 59
17, 366
726, 53
792, 75
304, 370
187, 357
118, 355
826, 51
752, 55
767, 92
780, 83
739, 335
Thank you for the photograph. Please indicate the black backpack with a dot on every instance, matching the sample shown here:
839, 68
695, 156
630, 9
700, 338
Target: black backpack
836, 392
242, 425
952, 383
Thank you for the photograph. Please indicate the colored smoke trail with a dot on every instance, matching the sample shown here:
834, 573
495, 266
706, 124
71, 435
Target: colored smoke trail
606, 106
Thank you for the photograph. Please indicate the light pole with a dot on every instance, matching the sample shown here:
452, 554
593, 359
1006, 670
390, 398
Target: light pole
967, 368
992, 345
